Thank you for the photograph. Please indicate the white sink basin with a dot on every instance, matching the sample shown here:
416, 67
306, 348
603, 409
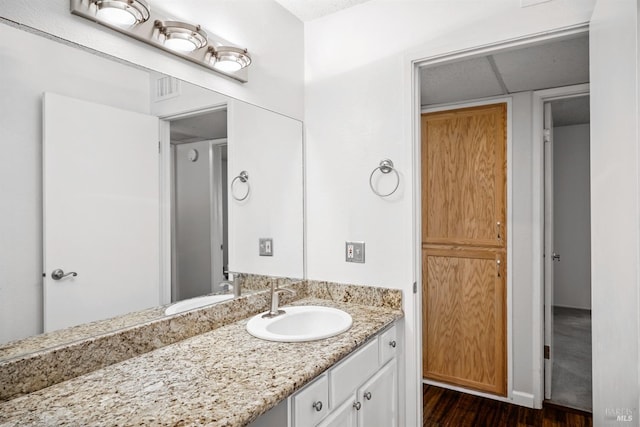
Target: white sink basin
193, 303
300, 323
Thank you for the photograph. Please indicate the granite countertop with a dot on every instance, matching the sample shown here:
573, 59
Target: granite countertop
224, 377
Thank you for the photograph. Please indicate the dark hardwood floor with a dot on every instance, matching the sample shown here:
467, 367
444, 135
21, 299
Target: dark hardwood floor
444, 407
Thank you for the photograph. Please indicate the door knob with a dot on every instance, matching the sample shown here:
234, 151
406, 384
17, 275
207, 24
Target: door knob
555, 257
58, 274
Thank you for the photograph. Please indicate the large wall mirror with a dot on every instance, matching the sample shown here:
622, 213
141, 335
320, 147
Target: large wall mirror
124, 189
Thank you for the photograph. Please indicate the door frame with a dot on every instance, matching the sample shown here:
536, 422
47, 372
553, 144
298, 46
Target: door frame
413, 61
541, 97
166, 207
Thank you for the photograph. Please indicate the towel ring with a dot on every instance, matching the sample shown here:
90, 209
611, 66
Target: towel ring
385, 167
243, 177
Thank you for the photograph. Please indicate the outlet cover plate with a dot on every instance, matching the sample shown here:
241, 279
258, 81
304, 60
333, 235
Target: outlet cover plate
266, 246
354, 252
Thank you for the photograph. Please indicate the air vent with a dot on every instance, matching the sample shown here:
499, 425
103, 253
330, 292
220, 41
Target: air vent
166, 87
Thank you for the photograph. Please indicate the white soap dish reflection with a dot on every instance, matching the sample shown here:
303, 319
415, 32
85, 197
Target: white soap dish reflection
198, 302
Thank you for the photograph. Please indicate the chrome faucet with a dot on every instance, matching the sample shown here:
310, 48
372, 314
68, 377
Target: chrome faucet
275, 300
234, 283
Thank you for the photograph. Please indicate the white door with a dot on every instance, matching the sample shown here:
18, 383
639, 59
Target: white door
615, 197
378, 398
549, 254
101, 211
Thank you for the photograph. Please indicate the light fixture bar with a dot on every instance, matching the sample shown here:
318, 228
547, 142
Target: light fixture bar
185, 40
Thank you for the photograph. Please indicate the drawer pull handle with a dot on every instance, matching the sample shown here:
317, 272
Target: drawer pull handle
357, 405
367, 395
317, 406
392, 343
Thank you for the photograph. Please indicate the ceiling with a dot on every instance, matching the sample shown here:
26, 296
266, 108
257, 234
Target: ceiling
544, 66
308, 10
204, 127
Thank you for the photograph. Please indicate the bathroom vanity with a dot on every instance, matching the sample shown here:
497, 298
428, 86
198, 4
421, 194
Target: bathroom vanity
226, 377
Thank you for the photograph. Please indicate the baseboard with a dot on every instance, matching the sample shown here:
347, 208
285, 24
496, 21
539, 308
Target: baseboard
523, 399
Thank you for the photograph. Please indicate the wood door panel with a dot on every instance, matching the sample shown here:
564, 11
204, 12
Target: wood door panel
463, 176
464, 318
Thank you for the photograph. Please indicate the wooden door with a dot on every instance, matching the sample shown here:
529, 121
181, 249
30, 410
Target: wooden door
464, 247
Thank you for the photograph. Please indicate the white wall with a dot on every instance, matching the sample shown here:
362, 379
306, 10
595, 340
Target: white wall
273, 36
24, 79
268, 146
615, 199
357, 112
572, 217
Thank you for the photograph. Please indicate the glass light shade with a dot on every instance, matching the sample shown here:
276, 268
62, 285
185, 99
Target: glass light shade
181, 36
228, 66
116, 15
180, 45
230, 59
122, 12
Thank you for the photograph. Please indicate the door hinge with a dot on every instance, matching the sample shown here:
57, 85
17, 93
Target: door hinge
546, 135
415, 287
159, 150
547, 352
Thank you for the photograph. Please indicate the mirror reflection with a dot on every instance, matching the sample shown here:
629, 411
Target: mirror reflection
120, 175
200, 255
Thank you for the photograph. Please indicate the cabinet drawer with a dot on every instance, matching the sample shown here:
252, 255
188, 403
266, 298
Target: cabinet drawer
310, 405
388, 345
349, 374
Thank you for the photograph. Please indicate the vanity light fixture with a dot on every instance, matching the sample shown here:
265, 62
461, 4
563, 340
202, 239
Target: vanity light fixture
181, 36
134, 18
122, 12
229, 59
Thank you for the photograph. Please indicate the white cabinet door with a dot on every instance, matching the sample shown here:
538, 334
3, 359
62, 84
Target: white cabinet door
343, 416
311, 404
101, 211
352, 372
379, 399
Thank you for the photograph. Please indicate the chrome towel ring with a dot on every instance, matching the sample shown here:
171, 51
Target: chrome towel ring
243, 177
386, 166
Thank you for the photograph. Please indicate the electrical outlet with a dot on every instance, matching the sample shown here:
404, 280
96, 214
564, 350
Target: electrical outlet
354, 252
266, 246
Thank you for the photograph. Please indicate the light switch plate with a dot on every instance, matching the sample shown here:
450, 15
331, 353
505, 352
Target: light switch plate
354, 252
266, 246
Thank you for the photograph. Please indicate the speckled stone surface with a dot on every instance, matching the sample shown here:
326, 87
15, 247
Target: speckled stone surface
255, 282
36, 343
76, 333
36, 370
367, 295
224, 377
